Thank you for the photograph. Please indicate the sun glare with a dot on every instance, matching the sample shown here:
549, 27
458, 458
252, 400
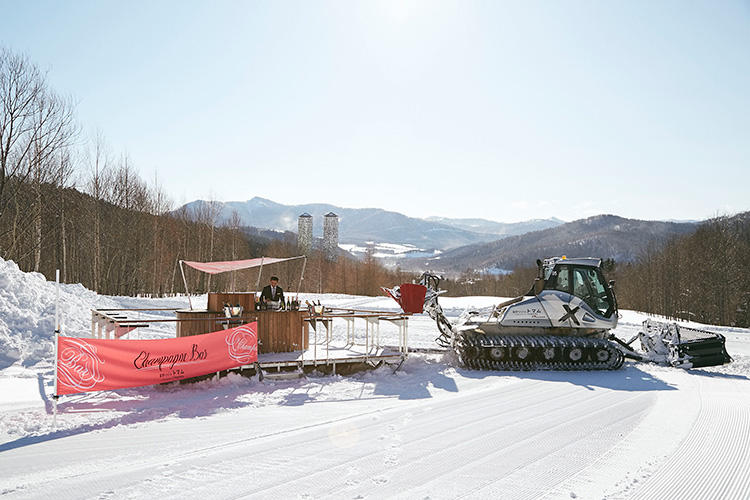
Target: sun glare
398, 11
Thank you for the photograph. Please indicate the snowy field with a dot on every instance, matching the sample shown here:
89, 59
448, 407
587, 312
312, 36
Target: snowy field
431, 430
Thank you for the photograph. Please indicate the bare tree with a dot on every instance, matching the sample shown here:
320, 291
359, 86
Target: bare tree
207, 214
160, 207
98, 185
234, 226
54, 131
65, 168
35, 124
20, 87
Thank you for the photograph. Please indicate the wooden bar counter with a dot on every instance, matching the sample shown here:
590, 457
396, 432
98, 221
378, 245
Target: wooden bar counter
278, 331
216, 300
197, 321
282, 331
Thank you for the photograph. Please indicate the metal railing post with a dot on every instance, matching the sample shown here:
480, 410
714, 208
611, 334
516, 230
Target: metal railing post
182, 270
260, 272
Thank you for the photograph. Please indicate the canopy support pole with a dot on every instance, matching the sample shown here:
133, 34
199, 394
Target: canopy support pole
257, 283
182, 270
302, 274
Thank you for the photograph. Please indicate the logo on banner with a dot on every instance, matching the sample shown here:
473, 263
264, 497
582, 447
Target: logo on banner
79, 365
145, 360
242, 343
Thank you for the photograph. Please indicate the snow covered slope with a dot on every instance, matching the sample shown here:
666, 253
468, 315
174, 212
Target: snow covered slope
432, 430
27, 314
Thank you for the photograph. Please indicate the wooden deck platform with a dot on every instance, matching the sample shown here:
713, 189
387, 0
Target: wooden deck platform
362, 343
332, 354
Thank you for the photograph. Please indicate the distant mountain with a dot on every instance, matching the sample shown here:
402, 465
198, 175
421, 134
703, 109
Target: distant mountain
356, 225
605, 236
498, 228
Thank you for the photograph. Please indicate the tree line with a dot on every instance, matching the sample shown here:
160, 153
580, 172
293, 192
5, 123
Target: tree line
703, 277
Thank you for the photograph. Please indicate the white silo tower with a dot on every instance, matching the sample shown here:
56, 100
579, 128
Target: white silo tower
305, 233
331, 235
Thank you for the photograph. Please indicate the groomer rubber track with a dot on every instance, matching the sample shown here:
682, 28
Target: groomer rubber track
537, 352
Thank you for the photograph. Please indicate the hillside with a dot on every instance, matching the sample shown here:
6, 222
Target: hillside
362, 225
502, 229
606, 236
701, 277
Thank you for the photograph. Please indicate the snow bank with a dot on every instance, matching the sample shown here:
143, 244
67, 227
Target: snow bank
27, 314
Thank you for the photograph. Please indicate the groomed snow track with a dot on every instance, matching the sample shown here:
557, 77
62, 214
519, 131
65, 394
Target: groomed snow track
658, 434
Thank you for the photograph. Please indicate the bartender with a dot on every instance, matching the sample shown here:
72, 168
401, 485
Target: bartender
272, 291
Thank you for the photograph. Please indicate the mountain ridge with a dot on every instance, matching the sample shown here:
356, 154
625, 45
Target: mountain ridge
605, 236
456, 245
498, 228
363, 225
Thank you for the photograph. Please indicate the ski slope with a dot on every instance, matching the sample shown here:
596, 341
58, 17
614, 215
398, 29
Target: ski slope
431, 430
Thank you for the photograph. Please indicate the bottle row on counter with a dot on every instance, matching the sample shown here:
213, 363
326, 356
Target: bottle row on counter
262, 304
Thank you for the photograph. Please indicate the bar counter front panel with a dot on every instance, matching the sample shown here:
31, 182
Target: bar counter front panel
278, 331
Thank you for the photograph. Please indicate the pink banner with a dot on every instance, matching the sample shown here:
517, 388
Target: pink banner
85, 365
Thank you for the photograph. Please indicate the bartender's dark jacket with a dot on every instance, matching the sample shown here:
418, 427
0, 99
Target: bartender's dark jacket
266, 293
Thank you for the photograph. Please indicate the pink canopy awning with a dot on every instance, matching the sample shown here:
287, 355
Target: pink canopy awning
234, 265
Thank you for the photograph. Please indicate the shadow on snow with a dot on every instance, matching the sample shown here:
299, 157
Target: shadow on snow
418, 379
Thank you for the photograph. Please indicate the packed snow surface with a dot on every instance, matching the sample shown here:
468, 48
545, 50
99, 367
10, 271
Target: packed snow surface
430, 430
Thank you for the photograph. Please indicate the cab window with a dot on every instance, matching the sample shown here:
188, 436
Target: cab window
559, 279
589, 286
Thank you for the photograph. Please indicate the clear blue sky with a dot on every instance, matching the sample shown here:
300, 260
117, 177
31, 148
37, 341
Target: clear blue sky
501, 110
